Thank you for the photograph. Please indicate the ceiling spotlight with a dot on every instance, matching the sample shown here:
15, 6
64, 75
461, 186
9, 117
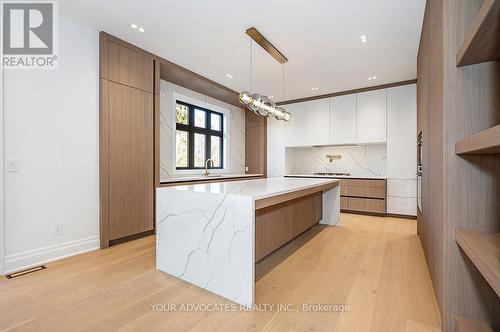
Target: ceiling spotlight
141, 29
363, 38
372, 78
229, 76
315, 89
271, 97
133, 26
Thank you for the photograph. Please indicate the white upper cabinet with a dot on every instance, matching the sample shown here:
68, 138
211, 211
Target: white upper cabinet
318, 122
402, 132
343, 119
371, 116
295, 129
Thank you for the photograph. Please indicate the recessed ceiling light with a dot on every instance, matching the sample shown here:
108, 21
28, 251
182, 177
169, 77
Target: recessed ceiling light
363, 38
372, 78
271, 97
133, 26
229, 76
141, 29
315, 89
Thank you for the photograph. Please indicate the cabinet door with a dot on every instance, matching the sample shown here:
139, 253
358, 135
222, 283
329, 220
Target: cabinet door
130, 67
295, 129
371, 116
402, 132
343, 119
318, 122
130, 160
402, 205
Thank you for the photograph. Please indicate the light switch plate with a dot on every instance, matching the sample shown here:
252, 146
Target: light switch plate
12, 165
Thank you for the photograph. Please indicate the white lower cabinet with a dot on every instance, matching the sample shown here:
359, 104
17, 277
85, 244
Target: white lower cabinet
402, 205
402, 196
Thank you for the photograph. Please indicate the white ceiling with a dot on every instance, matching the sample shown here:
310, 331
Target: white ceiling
320, 38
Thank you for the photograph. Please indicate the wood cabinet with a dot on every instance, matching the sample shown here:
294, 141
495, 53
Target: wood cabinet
128, 160
295, 129
255, 144
371, 117
343, 119
363, 195
130, 67
318, 122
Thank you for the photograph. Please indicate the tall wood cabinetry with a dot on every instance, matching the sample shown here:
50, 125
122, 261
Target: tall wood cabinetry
457, 113
129, 79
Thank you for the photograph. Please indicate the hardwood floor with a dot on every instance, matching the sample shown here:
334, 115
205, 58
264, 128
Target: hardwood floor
375, 265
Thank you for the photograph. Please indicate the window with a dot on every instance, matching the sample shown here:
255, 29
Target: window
199, 136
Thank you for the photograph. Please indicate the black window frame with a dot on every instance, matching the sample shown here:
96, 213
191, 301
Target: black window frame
191, 129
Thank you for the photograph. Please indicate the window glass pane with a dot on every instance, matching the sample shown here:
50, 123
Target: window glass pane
199, 118
181, 114
199, 150
216, 121
181, 148
215, 150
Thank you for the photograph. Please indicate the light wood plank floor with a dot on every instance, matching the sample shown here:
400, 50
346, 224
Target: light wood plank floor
375, 265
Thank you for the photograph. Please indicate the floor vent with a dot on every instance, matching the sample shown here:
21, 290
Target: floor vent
24, 272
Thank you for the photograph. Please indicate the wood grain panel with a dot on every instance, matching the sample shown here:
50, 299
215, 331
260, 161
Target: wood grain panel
255, 143
348, 92
265, 202
129, 67
367, 205
482, 42
371, 192
344, 203
131, 176
367, 183
278, 224
486, 141
344, 190
483, 249
103, 163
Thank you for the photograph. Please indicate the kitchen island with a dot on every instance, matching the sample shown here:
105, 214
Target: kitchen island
211, 235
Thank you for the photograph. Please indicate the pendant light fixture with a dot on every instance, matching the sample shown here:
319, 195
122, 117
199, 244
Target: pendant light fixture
263, 105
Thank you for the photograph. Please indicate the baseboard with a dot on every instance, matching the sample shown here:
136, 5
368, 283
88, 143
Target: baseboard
28, 259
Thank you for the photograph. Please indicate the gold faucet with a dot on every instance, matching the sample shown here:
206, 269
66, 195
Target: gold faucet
206, 165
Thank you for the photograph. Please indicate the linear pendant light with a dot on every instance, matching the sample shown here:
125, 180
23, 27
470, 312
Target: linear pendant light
263, 105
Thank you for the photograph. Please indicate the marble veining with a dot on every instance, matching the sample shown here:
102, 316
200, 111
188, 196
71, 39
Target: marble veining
206, 232
360, 160
236, 144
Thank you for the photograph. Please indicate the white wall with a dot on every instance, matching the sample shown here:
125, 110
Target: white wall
51, 127
235, 130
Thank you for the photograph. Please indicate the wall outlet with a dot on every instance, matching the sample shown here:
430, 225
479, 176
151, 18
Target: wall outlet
57, 229
246, 168
12, 165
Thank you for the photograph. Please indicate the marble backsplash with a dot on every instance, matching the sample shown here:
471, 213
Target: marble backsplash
235, 158
360, 160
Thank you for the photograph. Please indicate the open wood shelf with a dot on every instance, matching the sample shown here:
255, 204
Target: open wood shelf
486, 141
483, 249
482, 43
467, 325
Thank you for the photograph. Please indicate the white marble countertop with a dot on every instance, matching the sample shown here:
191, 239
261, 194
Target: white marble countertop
212, 176
373, 177
256, 189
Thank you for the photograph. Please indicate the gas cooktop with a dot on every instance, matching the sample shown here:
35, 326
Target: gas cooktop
333, 174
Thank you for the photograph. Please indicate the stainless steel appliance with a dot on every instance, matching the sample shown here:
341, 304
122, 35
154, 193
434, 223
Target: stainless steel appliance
419, 171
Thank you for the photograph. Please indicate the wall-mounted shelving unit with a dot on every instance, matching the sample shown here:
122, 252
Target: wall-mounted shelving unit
482, 43
483, 249
486, 141
467, 325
